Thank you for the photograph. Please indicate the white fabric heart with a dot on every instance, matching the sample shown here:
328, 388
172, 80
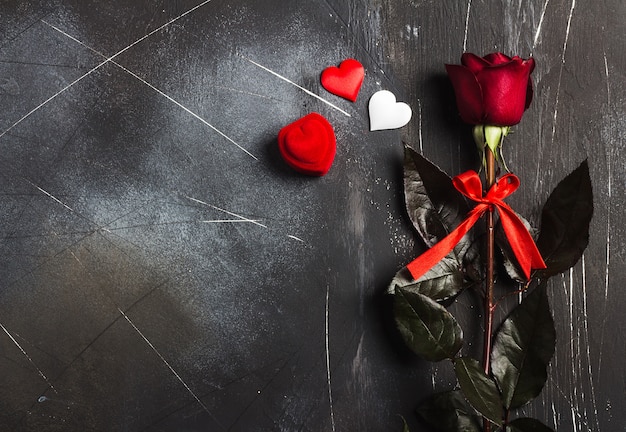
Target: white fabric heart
386, 113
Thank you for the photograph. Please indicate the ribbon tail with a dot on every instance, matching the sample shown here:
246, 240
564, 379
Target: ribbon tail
522, 243
420, 266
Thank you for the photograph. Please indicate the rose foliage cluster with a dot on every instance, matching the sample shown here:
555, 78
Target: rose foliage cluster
492, 93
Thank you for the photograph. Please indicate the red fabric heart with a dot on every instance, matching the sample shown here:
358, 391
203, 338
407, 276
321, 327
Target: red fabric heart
308, 145
345, 80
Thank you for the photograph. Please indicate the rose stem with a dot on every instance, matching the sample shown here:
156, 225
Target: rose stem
490, 177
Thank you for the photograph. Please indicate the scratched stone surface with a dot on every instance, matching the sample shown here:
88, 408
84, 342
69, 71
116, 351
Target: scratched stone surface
161, 268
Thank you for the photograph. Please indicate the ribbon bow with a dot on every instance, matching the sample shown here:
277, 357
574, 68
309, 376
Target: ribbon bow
519, 238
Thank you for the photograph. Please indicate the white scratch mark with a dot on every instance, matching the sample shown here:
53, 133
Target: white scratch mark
309, 92
65, 402
606, 73
55, 234
328, 377
419, 130
538, 32
99, 66
573, 408
558, 87
166, 363
609, 190
49, 195
243, 218
584, 286
240, 218
555, 416
556, 110
608, 214
574, 349
168, 97
234, 90
569, 24
608, 250
187, 110
433, 377
467, 15
228, 221
30, 360
31, 112
587, 344
571, 309
75, 257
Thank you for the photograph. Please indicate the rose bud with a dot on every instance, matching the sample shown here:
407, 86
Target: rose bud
492, 90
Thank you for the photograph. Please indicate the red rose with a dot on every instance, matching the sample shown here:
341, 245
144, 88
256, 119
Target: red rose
492, 90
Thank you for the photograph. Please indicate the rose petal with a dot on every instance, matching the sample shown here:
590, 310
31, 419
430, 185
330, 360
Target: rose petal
473, 62
530, 63
529, 94
469, 97
505, 91
498, 58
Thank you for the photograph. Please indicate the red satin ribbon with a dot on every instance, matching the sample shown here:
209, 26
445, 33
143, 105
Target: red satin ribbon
519, 238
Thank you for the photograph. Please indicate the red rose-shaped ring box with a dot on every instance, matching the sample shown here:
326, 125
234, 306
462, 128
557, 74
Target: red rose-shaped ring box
308, 145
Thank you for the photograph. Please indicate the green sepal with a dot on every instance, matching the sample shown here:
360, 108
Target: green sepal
494, 136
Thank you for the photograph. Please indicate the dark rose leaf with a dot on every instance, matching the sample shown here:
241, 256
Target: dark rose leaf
434, 205
565, 222
480, 390
405, 425
527, 425
443, 282
522, 349
450, 412
427, 328
510, 262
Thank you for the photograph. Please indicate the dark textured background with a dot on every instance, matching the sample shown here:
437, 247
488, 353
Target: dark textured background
163, 270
